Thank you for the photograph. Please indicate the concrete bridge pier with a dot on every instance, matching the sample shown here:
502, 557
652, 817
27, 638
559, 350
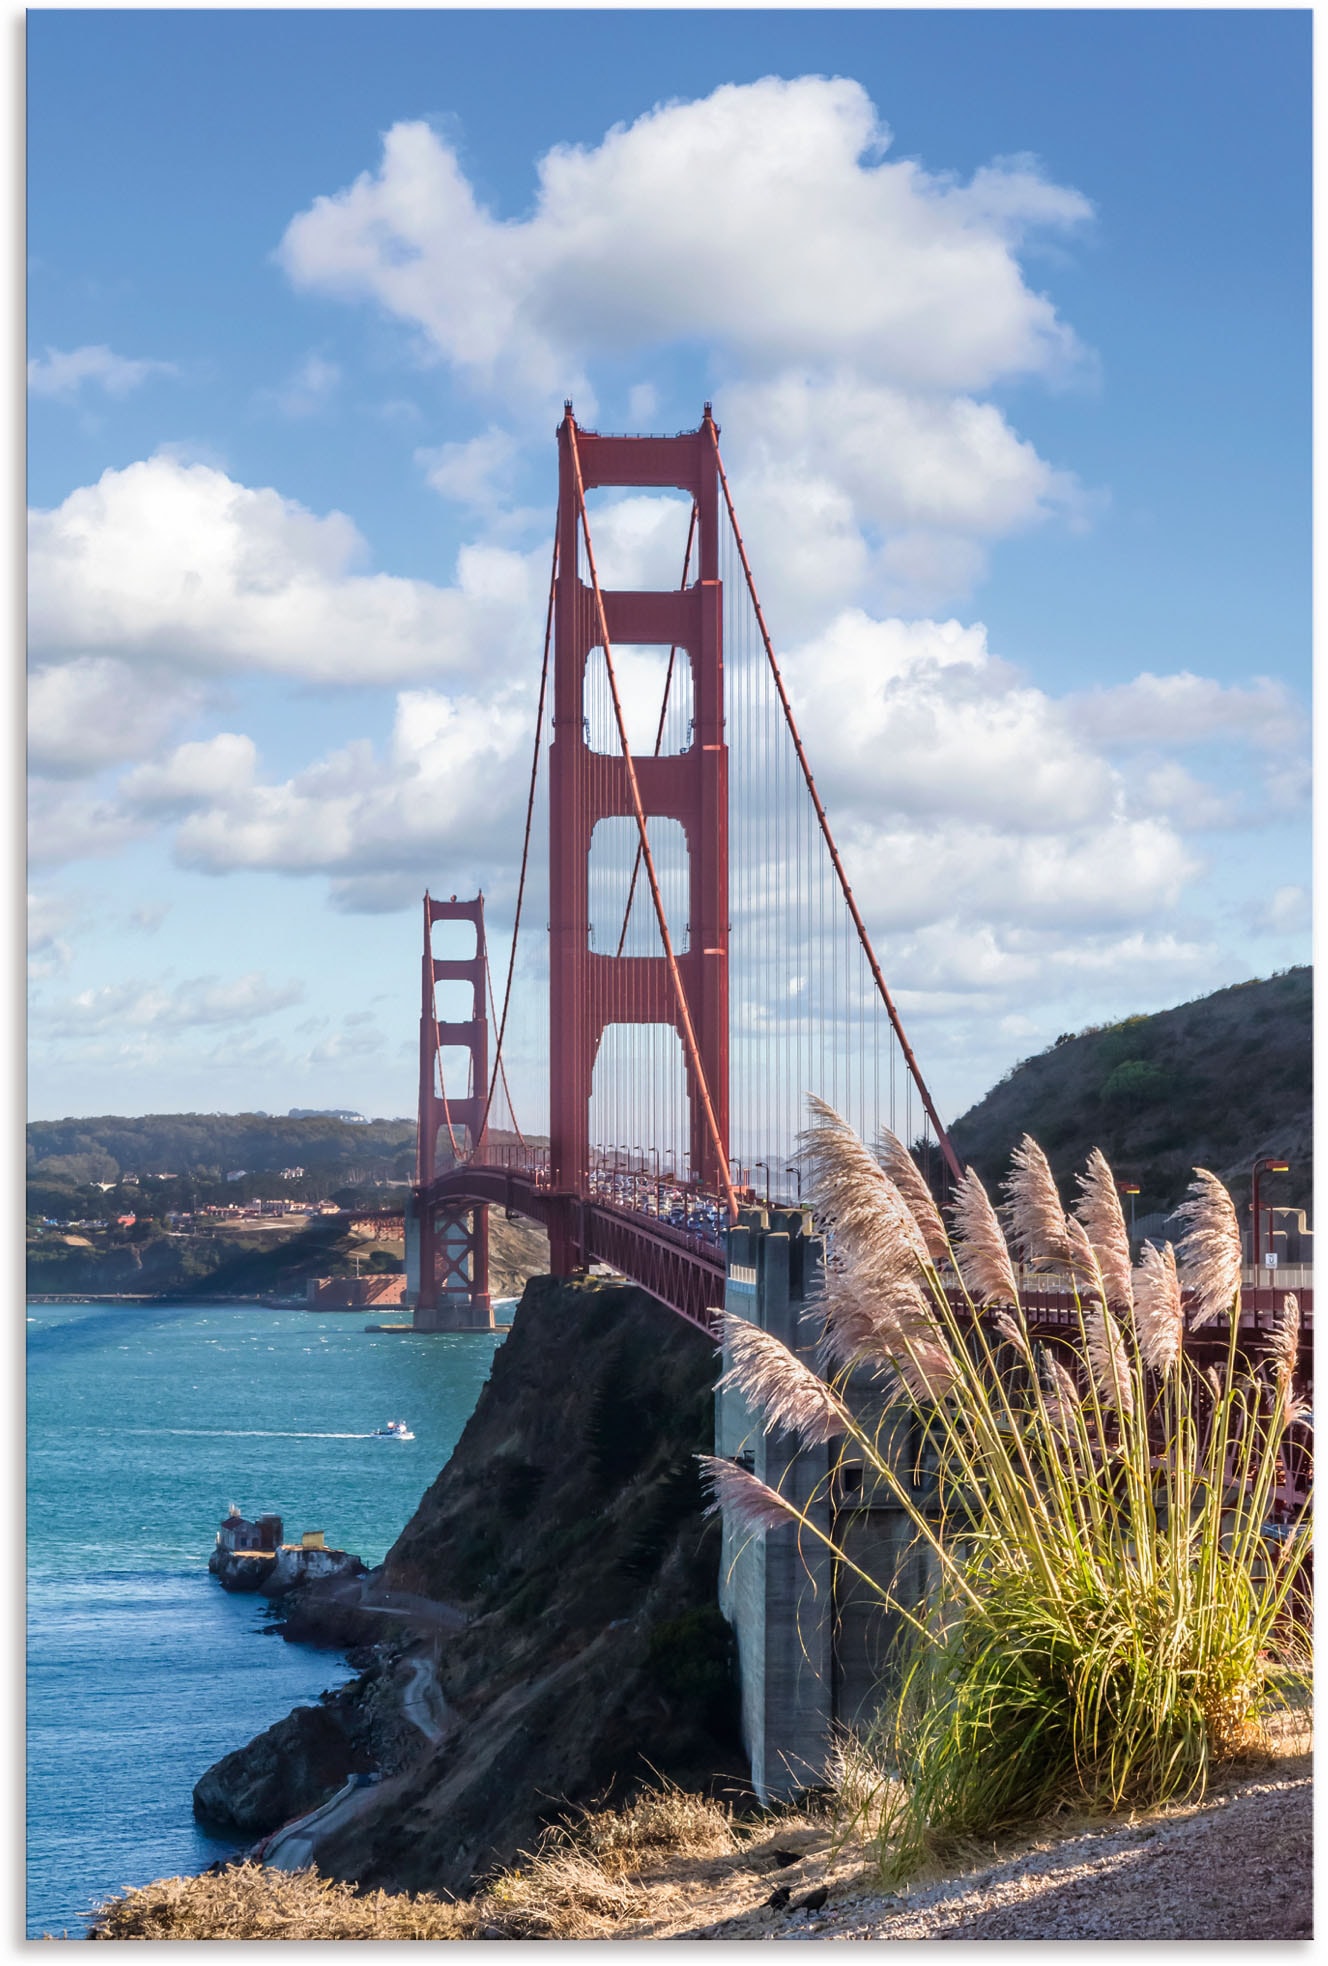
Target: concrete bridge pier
776, 1588
816, 1645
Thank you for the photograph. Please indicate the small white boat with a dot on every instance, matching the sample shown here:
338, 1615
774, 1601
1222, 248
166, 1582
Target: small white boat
393, 1430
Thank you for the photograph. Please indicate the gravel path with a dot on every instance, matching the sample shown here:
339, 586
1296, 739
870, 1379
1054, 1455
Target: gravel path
1239, 1866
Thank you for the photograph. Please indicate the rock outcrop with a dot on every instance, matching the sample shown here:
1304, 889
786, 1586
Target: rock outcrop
285, 1771
276, 1572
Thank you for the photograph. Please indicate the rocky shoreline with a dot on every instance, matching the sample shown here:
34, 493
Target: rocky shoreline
555, 1591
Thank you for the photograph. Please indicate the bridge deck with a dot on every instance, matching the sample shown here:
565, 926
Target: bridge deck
683, 1264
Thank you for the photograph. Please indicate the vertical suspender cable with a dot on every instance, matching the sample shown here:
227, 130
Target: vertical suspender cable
525, 857
943, 1138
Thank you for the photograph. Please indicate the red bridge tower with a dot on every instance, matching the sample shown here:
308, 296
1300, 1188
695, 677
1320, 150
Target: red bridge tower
589, 991
453, 1236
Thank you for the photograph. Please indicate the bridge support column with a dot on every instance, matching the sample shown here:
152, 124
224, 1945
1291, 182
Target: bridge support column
776, 1588
816, 1643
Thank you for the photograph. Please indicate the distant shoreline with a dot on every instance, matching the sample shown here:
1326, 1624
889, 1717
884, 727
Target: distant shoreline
162, 1297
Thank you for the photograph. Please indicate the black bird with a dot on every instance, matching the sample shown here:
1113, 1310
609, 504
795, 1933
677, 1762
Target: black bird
778, 1898
785, 1857
813, 1900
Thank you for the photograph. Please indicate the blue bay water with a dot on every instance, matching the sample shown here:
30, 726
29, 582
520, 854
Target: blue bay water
144, 1423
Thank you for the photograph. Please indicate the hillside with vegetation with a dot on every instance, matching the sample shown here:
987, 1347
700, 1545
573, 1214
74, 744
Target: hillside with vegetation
1213, 1083
206, 1147
226, 1205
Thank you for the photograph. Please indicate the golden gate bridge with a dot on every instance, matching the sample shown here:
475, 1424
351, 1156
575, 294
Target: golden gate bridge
708, 962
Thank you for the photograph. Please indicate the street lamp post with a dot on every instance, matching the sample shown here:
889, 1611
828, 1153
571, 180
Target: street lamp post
796, 1172
766, 1166
1266, 1164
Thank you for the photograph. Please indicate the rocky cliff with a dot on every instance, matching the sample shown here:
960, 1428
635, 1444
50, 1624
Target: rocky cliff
569, 1527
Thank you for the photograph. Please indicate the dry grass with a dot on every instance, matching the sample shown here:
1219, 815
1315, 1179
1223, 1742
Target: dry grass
670, 1865
661, 1823
248, 1902
584, 1880
580, 1883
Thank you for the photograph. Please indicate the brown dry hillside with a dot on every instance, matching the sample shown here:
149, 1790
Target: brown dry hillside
1212, 1083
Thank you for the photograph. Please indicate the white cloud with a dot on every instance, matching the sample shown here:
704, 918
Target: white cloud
900, 491
941, 727
1114, 873
218, 768
1187, 709
63, 372
97, 711
140, 1006
64, 825
1287, 911
148, 918
476, 473
764, 220
451, 780
167, 563
1169, 788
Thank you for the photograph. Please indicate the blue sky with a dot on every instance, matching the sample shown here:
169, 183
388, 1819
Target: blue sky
1036, 366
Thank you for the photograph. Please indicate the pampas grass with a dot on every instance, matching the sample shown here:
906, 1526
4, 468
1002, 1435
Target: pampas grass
1159, 1319
1108, 1620
1038, 1226
981, 1253
769, 1377
1210, 1253
903, 1170
1099, 1210
742, 1497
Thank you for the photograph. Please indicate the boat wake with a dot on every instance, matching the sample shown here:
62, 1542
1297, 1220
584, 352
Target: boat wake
244, 1433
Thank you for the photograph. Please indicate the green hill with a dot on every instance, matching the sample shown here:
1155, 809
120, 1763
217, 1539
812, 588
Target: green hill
1213, 1083
211, 1145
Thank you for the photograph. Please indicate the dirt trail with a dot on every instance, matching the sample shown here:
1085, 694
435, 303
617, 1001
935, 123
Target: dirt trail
295, 1845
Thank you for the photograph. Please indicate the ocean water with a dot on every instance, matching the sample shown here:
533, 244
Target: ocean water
144, 1423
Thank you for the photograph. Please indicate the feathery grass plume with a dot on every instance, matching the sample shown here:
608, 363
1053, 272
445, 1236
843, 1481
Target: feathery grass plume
1062, 1396
1099, 1209
1012, 1330
866, 1319
1159, 1321
1108, 1360
1209, 1252
1283, 1345
980, 1250
904, 1171
925, 1367
1037, 1219
849, 1189
784, 1390
1083, 1258
742, 1497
